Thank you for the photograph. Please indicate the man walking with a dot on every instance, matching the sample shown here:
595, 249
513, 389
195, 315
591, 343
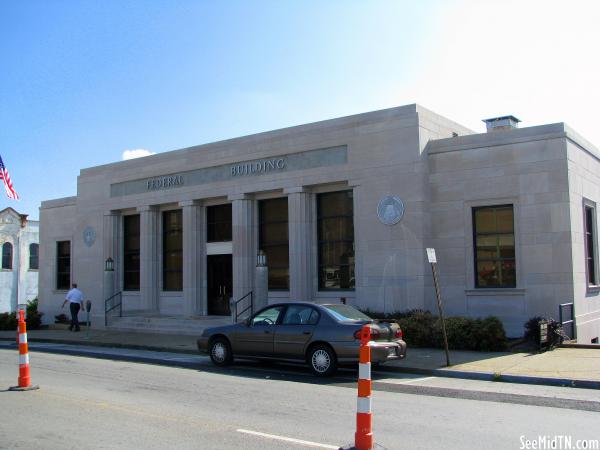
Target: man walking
75, 299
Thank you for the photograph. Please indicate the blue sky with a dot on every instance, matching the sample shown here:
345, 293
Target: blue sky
82, 81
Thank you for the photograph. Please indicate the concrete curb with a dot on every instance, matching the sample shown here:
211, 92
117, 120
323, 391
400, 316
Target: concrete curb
448, 373
498, 377
587, 346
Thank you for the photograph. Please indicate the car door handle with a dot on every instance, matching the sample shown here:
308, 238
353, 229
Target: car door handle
306, 332
267, 331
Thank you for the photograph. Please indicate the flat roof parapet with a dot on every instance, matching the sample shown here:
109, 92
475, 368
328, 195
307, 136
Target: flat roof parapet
59, 202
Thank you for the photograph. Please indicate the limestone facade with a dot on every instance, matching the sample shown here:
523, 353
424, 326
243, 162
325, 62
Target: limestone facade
439, 170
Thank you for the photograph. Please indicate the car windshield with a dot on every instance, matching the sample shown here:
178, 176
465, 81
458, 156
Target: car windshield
346, 313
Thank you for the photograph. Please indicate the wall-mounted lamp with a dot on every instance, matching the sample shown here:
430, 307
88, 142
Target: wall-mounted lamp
109, 264
261, 259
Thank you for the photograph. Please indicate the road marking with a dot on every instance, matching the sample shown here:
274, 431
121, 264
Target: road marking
414, 380
287, 439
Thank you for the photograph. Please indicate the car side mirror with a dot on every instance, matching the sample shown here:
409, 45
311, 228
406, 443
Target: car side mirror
248, 322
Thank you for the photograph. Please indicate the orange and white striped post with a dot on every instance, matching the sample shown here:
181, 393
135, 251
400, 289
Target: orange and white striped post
363, 438
24, 378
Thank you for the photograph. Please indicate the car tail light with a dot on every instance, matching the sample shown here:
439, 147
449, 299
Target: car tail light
374, 334
399, 334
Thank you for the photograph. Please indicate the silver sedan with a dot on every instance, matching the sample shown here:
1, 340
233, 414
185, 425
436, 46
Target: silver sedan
323, 336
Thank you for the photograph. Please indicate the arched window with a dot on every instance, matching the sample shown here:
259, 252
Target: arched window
7, 250
34, 260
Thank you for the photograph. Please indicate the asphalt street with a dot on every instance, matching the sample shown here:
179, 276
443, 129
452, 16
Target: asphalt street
180, 401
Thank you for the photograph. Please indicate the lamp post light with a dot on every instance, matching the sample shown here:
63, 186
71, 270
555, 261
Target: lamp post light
109, 280
261, 259
261, 281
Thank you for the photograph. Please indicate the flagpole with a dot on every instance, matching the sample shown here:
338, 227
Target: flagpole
18, 265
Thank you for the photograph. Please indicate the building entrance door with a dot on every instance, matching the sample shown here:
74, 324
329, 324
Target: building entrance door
219, 284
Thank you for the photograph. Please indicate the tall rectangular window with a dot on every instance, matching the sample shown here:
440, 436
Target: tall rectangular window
591, 250
274, 241
172, 251
34, 253
7, 255
335, 225
494, 247
63, 265
131, 252
218, 223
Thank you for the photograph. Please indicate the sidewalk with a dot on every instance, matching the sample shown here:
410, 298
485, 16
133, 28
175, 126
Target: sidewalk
575, 367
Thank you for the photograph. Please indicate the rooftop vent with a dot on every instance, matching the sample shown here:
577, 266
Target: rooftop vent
501, 123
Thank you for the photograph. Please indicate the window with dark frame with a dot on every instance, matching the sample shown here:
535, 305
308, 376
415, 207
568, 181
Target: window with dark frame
34, 256
7, 256
273, 240
335, 227
218, 223
131, 252
63, 265
494, 247
172, 251
591, 252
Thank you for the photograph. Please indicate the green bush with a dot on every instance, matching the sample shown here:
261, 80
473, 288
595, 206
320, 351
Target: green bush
420, 326
423, 329
34, 317
9, 321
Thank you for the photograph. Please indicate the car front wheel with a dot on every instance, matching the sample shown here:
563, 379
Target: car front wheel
322, 361
220, 352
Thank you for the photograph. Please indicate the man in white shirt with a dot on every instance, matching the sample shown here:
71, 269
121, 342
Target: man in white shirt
75, 299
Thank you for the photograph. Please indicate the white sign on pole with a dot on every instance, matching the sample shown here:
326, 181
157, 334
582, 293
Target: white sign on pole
431, 255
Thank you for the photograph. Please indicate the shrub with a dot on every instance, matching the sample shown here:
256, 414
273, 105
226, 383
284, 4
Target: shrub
423, 329
34, 317
8, 321
492, 337
532, 327
419, 327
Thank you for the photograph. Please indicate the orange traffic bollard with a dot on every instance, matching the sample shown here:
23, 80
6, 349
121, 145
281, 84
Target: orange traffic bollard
24, 377
363, 438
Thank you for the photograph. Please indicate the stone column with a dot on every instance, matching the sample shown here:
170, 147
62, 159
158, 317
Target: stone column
149, 257
244, 244
300, 224
111, 249
194, 258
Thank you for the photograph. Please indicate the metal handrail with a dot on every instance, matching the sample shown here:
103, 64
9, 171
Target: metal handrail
250, 307
571, 320
108, 308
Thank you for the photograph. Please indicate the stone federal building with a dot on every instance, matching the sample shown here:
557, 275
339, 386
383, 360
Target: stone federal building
342, 208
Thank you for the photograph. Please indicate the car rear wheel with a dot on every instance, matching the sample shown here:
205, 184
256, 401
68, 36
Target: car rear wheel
322, 360
220, 352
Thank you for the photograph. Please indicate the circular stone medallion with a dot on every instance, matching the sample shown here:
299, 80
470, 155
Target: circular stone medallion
89, 236
390, 210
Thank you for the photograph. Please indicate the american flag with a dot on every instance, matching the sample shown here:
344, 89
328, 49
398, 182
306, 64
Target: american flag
10, 190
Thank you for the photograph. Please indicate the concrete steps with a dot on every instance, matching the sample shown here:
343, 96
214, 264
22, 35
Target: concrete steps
157, 324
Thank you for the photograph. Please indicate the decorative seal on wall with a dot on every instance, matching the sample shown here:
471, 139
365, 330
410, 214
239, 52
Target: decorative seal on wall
89, 236
390, 210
